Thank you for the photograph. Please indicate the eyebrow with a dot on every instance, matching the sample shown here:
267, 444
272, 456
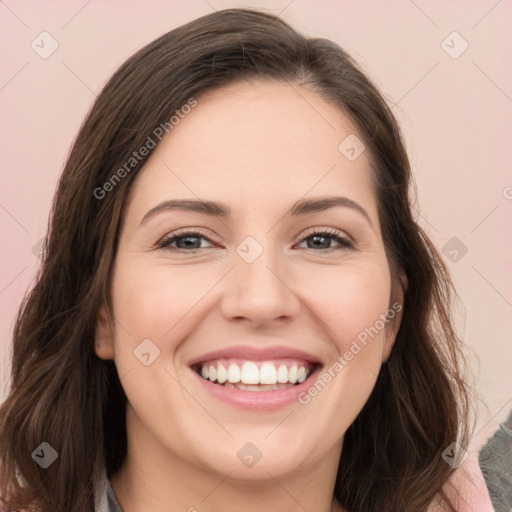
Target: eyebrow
216, 209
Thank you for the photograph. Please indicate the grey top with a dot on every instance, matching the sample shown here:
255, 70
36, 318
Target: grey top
106, 500
495, 460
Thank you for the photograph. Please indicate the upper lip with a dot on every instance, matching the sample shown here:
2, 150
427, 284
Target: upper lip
251, 353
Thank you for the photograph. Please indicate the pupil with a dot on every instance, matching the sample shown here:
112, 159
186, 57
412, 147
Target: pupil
316, 238
187, 242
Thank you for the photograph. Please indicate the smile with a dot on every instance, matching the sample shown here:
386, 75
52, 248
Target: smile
255, 375
256, 378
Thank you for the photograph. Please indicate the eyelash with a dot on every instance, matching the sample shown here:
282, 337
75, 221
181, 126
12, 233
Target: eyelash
344, 242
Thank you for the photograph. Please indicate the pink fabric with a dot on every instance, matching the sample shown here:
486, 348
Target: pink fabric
470, 483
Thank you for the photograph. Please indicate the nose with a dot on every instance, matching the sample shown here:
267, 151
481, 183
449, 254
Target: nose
260, 293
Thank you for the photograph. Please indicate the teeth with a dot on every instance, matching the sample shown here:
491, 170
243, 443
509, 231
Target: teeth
234, 373
292, 374
212, 373
222, 374
251, 376
260, 387
282, 374
267, 374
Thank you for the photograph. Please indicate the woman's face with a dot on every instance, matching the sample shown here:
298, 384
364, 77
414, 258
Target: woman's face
252, 297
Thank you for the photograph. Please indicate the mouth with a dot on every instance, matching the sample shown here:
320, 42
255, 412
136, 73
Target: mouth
257, 379
256, 376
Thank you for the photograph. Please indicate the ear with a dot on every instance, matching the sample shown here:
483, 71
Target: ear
104, 335
394, 314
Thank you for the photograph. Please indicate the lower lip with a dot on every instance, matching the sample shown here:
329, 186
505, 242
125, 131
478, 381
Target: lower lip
258, 400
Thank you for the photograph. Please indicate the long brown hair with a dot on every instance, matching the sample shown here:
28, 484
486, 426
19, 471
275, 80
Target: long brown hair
63, 394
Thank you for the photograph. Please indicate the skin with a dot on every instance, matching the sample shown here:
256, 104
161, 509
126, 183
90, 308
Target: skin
258, 147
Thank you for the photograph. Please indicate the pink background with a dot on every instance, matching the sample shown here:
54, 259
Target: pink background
456, 114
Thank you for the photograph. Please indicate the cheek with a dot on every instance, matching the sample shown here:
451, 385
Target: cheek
157, 303
153, 300
348, 300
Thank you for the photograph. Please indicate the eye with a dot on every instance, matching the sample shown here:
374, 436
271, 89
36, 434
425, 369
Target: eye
191, 241
321, 239
184, 241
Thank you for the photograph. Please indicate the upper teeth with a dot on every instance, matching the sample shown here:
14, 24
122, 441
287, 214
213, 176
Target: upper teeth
251, 373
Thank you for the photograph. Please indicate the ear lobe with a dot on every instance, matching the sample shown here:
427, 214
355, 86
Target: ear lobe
405, 284
103, 337
396, 310
391, 331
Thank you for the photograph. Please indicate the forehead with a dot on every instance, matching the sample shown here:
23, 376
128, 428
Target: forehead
256, 142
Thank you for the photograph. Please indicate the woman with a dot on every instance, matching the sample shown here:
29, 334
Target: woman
236, 308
